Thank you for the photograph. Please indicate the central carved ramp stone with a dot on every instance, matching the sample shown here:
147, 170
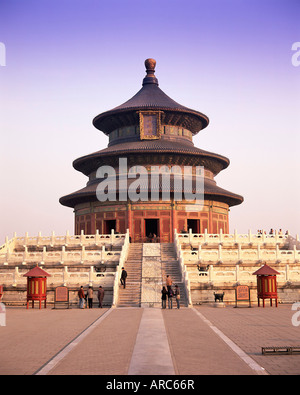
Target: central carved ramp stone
151, 275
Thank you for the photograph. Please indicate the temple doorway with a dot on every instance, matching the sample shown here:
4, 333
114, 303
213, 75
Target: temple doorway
109, 225
193, 224
151, 227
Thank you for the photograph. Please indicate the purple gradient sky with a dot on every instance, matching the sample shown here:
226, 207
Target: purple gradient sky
67, 61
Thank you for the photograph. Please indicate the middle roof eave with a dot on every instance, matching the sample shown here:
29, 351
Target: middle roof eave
91, 162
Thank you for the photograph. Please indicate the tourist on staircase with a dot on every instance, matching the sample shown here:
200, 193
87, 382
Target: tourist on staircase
169, 282
123, 277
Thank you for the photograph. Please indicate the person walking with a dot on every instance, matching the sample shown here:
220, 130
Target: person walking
169, 282
123, 277
164, 294
170, 296
177, 296
81, 297
90, 294
100, 296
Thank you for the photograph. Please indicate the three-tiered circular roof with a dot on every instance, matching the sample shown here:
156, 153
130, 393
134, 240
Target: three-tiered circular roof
173, 150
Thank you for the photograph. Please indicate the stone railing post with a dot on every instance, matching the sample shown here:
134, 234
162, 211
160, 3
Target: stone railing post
199, 252
220, 253
25, 253
276, 236
249, 236
82, 254
295, 254
211, 273
112, 236
65, 276
235, 236
67, 239
16, 277
7, 255
91, 274
39, 238
103, 254
205, 235
221, 236
97, 237
26, 239
82, 238
190, 236
53, 239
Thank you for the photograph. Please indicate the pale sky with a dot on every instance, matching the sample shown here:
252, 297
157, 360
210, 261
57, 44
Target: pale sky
69, 60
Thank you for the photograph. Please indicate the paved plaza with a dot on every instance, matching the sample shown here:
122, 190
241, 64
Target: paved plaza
203, 340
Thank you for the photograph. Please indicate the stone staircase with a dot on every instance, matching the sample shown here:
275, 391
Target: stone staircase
170, 266
131, 295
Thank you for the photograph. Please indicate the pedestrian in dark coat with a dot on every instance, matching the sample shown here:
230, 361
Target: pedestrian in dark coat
100, 296
164, 294
123, 277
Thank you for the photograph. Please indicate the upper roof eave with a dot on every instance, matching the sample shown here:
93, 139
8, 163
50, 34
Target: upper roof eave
149, 97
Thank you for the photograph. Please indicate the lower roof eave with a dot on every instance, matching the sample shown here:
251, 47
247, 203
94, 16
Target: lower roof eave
73, 200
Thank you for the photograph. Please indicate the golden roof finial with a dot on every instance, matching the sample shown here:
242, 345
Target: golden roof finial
150, 69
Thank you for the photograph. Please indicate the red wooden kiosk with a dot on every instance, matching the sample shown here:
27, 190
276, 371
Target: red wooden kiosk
36, 286
266, 284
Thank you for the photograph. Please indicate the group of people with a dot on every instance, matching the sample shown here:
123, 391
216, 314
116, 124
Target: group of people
87, 299
169, 293
271, 232
152, 238
166, 293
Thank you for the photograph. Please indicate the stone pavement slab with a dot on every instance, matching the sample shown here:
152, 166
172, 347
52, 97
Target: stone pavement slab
151, 355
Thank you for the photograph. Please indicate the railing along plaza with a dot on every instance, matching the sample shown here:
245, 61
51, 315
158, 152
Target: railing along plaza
61, 249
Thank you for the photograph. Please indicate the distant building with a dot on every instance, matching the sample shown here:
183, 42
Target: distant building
150, 129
